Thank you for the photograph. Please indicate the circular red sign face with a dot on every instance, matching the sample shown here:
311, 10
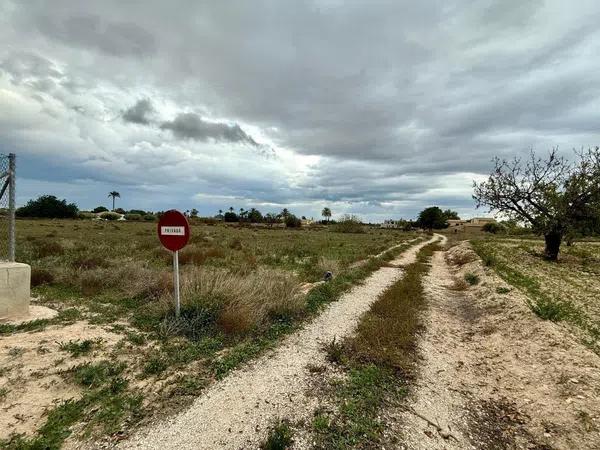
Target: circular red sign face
173, 230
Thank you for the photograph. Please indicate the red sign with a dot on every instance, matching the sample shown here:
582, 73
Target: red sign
173, 230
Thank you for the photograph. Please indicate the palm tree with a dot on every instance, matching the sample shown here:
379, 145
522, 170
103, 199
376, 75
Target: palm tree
114, 195
326, 213
285, 212
231, 209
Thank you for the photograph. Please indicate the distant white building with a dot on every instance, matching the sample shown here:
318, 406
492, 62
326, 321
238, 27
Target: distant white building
474, 224
390, 224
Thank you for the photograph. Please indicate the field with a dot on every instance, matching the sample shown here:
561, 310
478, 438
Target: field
116, 355
567, 291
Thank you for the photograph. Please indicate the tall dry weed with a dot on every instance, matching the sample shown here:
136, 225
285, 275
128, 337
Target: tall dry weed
244, 301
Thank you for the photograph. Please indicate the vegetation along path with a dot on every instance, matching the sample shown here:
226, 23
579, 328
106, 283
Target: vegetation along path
237, 412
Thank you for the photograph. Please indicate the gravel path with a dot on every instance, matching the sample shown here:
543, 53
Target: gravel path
236, 412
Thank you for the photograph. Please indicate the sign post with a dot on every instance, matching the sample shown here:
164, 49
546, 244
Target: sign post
174, 234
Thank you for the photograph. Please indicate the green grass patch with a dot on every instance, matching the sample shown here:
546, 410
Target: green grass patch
543, 304
78, 348
280, 437
472, 279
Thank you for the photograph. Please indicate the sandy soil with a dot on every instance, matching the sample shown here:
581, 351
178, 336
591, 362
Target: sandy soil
493, 374
237, 412
30, 367
36, 312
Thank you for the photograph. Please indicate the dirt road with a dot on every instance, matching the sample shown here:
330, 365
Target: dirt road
494, 375
237, 412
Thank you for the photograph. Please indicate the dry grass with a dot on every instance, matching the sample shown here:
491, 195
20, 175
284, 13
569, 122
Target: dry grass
461, 258
239, 303
459, 284
130, 279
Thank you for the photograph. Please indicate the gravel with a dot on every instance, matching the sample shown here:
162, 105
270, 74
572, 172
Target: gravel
237, 412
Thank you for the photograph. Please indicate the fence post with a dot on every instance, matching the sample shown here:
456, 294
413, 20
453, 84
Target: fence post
11, 207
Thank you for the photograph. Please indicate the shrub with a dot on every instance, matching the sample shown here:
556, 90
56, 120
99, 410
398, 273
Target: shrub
86, 215
108, 215
291, 221
133, 217
41, 276
348, 224
149, 218
100, 209
230, 217
471, 278
492, 227
48, 206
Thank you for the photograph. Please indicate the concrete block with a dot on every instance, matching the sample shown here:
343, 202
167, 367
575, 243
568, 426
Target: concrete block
15, 279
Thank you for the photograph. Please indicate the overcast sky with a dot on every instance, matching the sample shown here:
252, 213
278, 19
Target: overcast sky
369, 107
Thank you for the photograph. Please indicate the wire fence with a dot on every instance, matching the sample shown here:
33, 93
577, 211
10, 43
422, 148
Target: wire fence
7, 207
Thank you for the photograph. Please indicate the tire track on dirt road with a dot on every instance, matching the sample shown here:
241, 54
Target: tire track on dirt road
237, 411
494, 375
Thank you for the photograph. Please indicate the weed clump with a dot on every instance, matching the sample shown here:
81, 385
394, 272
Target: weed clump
41, 276
280, 437
77, 348
93, 375
472, 278
335, 352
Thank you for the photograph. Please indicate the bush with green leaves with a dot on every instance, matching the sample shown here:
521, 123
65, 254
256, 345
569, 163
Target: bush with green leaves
108, 215
349, 224
291, 221
133, 217
48, 206
493, 227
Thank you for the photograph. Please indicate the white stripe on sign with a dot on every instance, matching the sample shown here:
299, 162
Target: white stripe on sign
172, 231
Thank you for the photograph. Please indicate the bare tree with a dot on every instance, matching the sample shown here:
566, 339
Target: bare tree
554, 196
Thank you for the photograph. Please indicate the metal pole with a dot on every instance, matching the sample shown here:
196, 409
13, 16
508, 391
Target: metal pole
11, 207
176, 281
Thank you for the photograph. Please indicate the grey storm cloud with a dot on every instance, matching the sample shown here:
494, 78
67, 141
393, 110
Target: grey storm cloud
112, 37
372, 103
192, 126
139, 113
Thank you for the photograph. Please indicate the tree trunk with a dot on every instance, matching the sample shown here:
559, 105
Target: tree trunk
553, 241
